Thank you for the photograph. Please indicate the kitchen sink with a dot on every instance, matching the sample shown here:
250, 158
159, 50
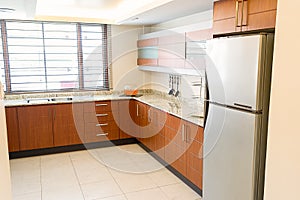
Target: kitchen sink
62, 99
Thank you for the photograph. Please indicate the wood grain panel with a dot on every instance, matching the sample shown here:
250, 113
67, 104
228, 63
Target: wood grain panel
35, 127
258, 6
264, 20
147, 42
145, 61
68, 124
12, 129
224, 9
224, 26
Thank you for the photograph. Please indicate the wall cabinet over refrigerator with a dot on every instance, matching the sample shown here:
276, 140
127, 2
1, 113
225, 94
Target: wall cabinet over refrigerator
232, 16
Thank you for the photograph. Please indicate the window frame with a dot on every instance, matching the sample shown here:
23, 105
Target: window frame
105, 65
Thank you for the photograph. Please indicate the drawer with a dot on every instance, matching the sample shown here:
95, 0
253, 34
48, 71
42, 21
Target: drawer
95, 132
100, 106
100, 117
98, 137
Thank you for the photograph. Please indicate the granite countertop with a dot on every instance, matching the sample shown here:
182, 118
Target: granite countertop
175, 106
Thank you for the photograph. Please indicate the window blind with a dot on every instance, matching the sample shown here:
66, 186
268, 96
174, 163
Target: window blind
51, 56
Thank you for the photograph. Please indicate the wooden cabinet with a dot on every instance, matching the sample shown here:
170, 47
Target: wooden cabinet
12, 129
68, 126
194, 154
127, 121
99, 119
35, 127
147, 52
243, 15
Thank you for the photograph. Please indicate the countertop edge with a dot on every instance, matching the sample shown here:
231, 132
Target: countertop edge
18, 103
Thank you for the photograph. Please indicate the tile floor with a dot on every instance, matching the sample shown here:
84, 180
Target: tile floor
114, 173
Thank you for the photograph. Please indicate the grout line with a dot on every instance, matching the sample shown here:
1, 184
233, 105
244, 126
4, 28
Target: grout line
76, 176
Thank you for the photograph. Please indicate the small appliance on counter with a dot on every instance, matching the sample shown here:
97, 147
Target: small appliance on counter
131, 91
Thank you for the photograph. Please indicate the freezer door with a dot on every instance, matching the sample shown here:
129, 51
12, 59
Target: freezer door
232, 67
229, 152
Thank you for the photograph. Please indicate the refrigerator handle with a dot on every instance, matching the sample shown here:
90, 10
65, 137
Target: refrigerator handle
243, 106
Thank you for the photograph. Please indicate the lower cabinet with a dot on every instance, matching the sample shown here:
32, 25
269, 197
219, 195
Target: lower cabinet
35, 127
127, 120
12, 129
177, 142
100, 120
174, 140
68, 124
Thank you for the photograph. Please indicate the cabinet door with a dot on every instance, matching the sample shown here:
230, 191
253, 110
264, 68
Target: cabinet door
68, 124
175, 145
259, 14
224, 16
12, 129
127, 121
194, 157
35, 127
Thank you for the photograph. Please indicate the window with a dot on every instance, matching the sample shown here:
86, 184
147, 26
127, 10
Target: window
53, 56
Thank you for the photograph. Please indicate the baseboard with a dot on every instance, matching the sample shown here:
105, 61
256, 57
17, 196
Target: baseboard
171, 169
64, 149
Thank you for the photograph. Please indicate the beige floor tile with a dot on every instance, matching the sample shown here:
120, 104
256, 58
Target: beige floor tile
121, 197
151, 194
133, 182
25, 166
163, 177
63, 193
29, 196
180, 191
100, 190
134, 148
57, 171
92, 174
25, 186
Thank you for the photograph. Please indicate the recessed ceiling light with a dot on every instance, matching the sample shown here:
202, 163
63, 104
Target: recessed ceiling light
134, 19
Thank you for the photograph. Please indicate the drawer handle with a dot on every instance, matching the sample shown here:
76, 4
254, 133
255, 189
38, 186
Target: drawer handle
102, 134
102, 124
101, 104
101, 115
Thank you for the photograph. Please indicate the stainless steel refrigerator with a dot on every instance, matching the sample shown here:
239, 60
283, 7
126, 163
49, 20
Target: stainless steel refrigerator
238, 71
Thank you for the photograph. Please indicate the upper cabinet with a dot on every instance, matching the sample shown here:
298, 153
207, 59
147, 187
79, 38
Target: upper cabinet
232, 16
147, 52
180, 53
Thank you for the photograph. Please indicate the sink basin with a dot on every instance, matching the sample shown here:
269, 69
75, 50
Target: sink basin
36, 100
62, 99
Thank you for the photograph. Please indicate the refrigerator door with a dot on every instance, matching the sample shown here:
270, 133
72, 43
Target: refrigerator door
229, 154
233, 70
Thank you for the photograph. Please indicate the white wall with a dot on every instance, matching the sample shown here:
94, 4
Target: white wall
283, 153
5, 185
124, 57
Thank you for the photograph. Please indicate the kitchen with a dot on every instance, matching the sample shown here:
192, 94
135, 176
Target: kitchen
135, 76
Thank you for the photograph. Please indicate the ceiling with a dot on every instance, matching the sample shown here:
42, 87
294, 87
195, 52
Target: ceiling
126, 12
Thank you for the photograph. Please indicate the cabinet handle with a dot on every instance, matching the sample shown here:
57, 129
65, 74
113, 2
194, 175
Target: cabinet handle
237, 4
137, 110
101, 115
183, 133
245, 2
187, 134
149, 116
101, 104
98, 125
102, 134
